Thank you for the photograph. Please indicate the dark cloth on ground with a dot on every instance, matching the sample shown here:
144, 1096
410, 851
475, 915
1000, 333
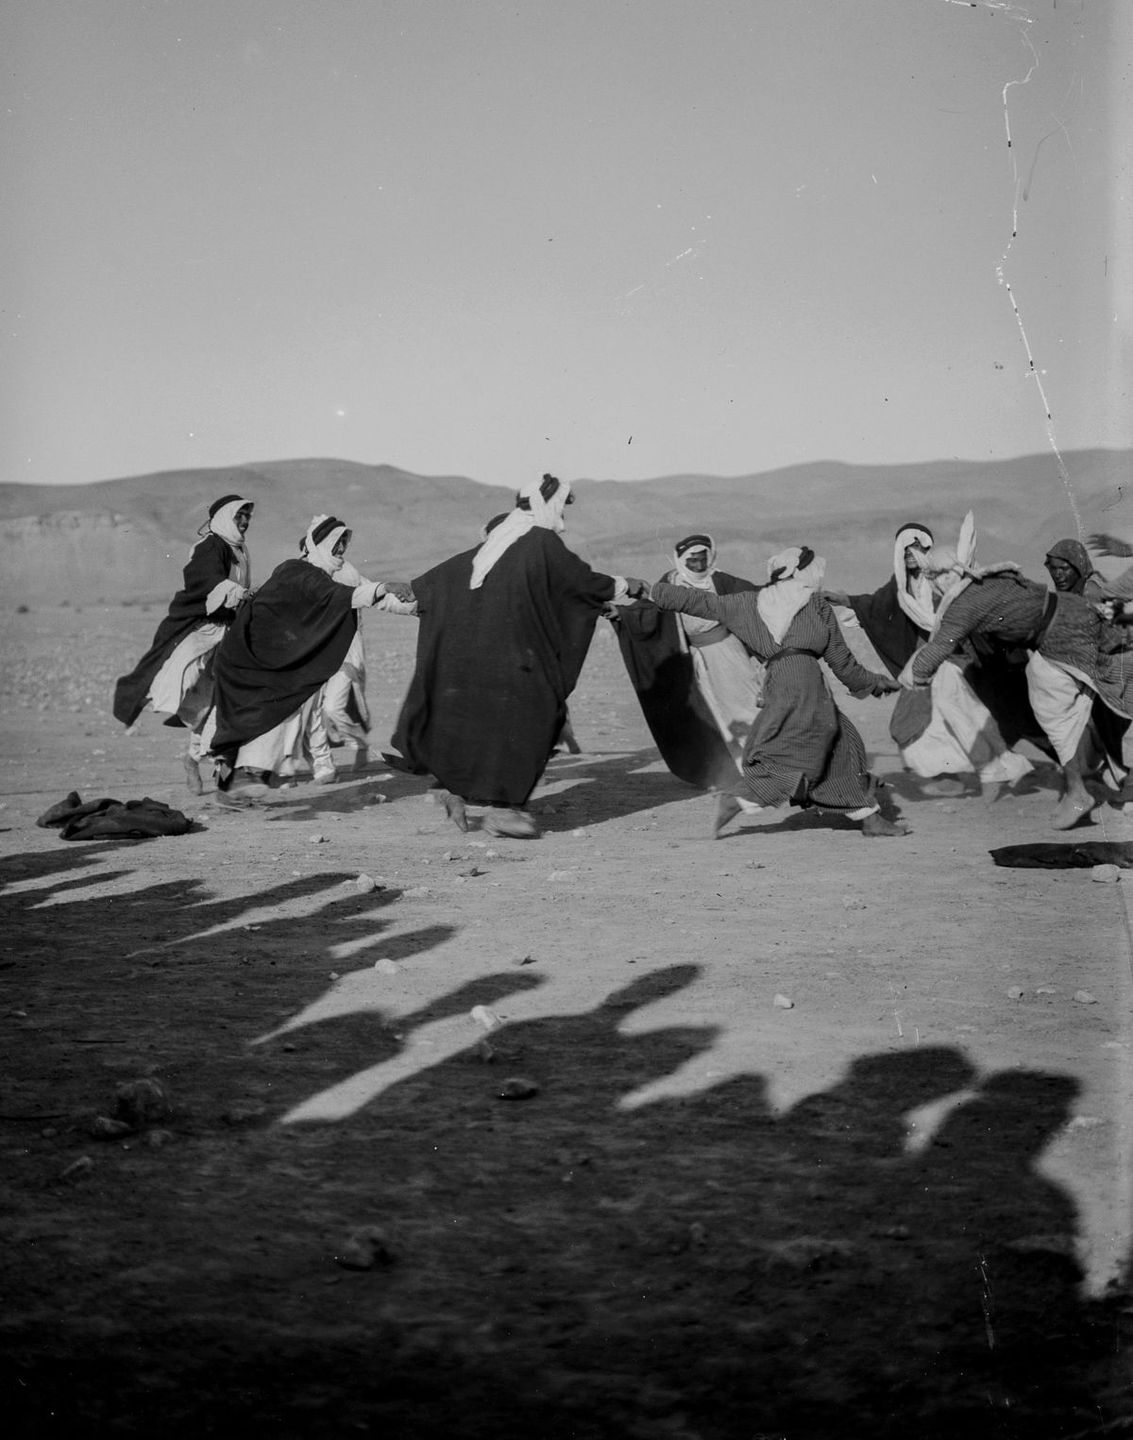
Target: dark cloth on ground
108, 819
662, 673
496, 665
285, 642
209, 565
801, 748
1083, 855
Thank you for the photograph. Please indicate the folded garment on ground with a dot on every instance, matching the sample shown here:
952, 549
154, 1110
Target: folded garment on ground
108, 819
1081, 855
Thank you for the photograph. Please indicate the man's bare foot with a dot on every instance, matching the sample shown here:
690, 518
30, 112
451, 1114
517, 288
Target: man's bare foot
193, 775
876, 825
1072, 809
727, 808
514, 824
454, 808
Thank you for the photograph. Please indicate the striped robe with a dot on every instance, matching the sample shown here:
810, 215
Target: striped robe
801, 749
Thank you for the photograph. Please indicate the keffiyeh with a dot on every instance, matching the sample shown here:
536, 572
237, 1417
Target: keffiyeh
538, 505
914, 591
323, 534
793, 576
222, 523
691, 545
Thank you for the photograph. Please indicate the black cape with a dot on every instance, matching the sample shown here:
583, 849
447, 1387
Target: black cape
891, 633
495, 667
285, 642
210, 563
661, 671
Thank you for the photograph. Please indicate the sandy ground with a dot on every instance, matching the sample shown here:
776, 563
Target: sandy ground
900, 1206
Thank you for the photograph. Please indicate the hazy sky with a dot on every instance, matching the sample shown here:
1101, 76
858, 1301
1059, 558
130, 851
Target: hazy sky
613, 238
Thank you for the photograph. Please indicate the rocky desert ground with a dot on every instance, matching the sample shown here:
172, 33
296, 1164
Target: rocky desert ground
326, 1119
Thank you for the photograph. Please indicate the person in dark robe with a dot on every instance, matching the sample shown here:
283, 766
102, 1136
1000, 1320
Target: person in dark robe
504, 630
802, 750
175, 673
291, 637
698, 686
949, 729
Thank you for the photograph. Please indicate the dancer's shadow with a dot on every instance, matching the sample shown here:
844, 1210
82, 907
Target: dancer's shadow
588, 789
562, 1265
351, 794
1044, 779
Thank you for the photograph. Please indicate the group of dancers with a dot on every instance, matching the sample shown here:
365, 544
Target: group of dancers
729, 673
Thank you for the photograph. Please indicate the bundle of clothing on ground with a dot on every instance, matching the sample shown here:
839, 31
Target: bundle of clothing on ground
108, 819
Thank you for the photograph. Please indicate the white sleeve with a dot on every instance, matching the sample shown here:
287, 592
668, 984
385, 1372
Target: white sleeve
368, 593
226, 593
393, 606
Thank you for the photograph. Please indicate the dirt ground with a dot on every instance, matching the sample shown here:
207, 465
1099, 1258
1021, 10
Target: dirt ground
899, 1207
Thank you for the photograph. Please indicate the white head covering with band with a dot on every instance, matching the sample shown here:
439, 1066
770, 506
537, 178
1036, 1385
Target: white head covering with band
222, 523
323, 534
914, 591
793, 576
952, 571
694, 544
544, 512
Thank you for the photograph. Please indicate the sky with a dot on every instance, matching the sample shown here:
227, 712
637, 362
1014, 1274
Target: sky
615, 239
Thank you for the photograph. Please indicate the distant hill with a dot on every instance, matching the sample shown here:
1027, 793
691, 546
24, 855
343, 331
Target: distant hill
127, 540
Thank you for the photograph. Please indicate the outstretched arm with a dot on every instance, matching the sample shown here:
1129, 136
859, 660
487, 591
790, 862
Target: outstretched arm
857, 679
956, 624
705, 603
1103, 544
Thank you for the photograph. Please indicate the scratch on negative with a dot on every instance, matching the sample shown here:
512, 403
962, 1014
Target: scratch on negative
1033, 371
985, 1302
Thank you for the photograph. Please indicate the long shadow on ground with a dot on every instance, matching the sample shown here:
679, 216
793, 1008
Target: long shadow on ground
558, 1266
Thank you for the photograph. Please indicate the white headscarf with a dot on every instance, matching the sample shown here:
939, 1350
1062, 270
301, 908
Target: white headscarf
320, 553
223, 525
546, 514
788, 588
953, 571
914, 592
685, 576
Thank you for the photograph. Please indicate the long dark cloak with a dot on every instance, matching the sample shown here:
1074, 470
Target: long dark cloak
661, 672
285, 642
891, 633
495, 667
210, 563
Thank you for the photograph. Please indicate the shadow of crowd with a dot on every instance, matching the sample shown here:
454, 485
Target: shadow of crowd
700, 1268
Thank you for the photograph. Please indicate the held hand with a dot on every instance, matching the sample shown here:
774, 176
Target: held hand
884, 685
635, 589
400, 591
1102, 544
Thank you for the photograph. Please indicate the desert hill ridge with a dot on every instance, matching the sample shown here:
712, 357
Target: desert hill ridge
127, 539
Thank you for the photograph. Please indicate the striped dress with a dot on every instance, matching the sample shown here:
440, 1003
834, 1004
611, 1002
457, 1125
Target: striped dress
801, 748
1070, 634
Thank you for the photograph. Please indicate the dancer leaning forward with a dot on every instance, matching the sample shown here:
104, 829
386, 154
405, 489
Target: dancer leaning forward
175, 675
801, 750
